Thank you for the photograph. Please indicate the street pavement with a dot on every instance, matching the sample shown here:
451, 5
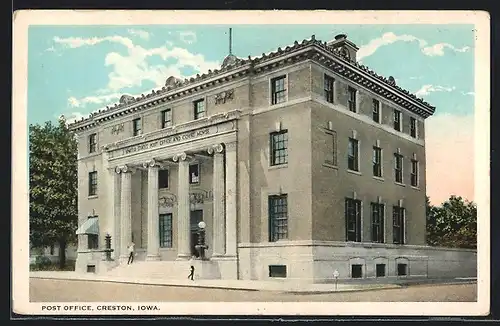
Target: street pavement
60, 290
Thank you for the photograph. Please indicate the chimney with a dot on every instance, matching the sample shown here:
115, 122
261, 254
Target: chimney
341, 43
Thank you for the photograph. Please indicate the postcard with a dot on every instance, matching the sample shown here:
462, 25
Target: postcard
250, 163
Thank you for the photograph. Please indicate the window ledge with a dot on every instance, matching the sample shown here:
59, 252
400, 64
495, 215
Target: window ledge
416, 188
331, 166
378, 178
400, 184
354, 172
93, 197
167, 249
278, 166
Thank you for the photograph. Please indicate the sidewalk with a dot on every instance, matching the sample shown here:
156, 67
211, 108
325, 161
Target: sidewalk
276, 286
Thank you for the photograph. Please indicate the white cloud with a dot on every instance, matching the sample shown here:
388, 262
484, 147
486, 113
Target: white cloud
188, 37
468, 93
449, 142
427, 89
131, 69
389, 38
98, 99
140, 33
73, 116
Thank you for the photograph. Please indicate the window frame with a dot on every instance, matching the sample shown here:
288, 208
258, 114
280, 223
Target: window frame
328, 88
278, 152
92, 184
376, 110
160, 172
196, 112
354, 158
92, 241
351, 102
165, 233
379, 208
191, 182
377, 166
399, 217
398, 171
136, 127
166, 123
279, 96
358, 229
414, 173
398, 123
276, 216
93, 143
413, 127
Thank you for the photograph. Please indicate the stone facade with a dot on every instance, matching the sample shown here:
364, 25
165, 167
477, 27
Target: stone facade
232, 143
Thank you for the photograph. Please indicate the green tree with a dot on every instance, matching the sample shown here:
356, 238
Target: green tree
53, 186
453, 224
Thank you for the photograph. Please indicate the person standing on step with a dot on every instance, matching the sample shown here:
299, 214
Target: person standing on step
131, 253
191, 274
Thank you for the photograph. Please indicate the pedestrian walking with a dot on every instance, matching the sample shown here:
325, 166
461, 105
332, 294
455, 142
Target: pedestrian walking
191, 274
131, 248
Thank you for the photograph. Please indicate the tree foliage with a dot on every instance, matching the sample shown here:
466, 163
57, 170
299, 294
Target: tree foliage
53, 185
453, 224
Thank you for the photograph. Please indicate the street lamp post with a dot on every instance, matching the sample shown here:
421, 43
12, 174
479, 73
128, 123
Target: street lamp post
201, 246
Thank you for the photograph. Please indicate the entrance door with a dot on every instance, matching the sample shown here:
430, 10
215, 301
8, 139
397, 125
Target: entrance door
195, 218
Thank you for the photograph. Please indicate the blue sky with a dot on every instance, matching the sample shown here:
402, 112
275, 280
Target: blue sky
74, 70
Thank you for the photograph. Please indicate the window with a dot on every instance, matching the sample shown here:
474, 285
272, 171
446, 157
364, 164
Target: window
377, 161
352, 99
397, 120
277, 271
398, 168
93, 241
378, 222
331, 150
194, 173
352, 155
279, 147
328, 88
199, 109
93, 183
353, 219
278, 90
398, 223
380, 270
413, 127
51, 249
402, 269
137, 128
357, 271
414, 173
166, 230
163, 179
278, 217
376, 111
90, 268
166, 118
92, 143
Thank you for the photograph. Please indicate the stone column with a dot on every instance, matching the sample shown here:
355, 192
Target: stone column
153, 252
126, 210
231, 199
219, 210
114, 211
183, 211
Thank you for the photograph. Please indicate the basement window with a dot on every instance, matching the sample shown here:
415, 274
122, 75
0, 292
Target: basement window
90, 268
277, 271
380, 269
402, 269
357, 271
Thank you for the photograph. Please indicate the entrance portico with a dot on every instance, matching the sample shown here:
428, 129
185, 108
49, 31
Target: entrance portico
218, 150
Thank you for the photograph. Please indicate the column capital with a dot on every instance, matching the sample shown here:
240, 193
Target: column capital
230, 146
217, 148
152, 163
181, 157
124, 169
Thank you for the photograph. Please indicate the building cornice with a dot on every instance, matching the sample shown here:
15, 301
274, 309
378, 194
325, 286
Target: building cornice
307, 49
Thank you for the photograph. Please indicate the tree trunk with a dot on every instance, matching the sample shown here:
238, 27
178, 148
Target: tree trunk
62, 254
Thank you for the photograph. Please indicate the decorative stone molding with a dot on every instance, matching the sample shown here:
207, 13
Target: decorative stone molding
116, 129
151, 163
180, 157
224, 97
231, 146
218, 148
124, 169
